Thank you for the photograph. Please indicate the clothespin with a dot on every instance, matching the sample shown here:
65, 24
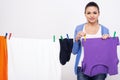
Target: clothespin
6, 35
61, 37
85, 38
114, 34
10, 36
67, 36
53, 38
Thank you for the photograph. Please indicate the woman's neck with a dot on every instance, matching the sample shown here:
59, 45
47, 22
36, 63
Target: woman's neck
92, 24
91, 28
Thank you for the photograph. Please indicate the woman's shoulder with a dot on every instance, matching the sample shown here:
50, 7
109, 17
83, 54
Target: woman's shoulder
104, 29
80, 26
103, 26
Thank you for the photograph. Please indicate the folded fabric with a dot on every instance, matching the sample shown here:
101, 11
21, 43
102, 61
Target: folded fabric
100, 56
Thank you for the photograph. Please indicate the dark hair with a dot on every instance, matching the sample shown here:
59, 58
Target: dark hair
92, 4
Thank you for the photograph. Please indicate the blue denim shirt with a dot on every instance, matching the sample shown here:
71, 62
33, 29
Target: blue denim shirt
77, 45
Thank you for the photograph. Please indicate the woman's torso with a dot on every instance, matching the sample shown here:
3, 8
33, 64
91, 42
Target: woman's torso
96, 35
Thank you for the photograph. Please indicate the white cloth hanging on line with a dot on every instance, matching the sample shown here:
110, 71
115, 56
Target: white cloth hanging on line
33, 59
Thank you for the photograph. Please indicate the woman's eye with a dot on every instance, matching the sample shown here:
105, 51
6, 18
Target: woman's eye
94, 12
88, 13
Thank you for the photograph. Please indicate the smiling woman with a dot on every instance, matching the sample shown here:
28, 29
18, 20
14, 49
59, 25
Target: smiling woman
90, 29
92, 12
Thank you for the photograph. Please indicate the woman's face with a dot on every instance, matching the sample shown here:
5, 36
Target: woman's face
92, 14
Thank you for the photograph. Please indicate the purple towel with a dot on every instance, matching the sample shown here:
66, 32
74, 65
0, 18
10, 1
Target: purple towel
100, 56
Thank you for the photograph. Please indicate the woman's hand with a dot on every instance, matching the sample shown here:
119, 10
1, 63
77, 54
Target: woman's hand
79, 35
105, 36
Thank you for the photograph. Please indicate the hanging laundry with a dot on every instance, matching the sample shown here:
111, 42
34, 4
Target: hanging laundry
65, 50
3, 59
33, 59
100, 56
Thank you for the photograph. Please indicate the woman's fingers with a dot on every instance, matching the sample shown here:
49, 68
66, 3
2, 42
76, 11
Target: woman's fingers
105, 36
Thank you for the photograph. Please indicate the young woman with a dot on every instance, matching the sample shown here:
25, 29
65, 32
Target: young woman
90, 29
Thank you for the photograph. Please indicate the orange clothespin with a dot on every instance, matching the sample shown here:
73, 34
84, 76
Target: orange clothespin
10, 36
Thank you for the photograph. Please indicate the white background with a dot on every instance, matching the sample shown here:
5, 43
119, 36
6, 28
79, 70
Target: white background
45, 18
